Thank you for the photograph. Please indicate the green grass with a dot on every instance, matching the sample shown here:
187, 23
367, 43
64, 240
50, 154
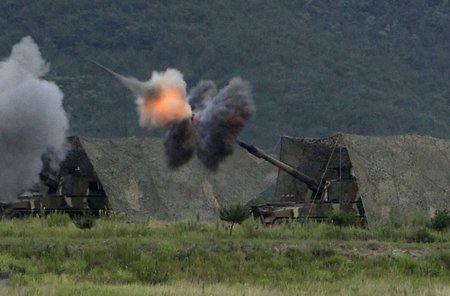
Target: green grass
48, 256
61, 285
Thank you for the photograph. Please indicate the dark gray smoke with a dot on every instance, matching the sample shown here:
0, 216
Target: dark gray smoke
221, 122
32, 119
180, 143
203, 92
218, 120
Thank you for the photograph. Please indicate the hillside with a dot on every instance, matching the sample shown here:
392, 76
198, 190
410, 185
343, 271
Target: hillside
317, 67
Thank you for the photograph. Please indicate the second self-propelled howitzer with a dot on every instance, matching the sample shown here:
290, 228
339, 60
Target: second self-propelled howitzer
318, 200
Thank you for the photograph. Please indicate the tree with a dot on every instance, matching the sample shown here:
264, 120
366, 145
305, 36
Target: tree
441, 220
235, 214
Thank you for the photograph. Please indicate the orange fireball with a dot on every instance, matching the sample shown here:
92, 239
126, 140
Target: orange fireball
168, 107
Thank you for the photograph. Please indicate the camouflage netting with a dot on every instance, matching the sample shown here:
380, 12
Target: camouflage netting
136, 179
396, 175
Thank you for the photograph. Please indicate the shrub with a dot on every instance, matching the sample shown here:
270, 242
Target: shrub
234, 214
421, 236
441, 220
85, 221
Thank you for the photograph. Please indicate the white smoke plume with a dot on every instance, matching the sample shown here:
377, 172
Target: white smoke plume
32, 119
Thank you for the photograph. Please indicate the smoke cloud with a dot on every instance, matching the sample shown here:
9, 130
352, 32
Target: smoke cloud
207, 122
199, 95
32, 119
218, 120
161, 100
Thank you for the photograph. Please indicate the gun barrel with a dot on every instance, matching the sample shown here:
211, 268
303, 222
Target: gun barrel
285, 167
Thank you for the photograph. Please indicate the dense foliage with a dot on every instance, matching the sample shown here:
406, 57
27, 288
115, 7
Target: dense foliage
441, 220
234, 214
317, 67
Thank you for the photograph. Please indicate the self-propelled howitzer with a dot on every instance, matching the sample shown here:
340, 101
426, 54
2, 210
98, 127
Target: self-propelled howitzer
322, 199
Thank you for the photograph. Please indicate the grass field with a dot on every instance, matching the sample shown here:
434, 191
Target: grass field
51, 256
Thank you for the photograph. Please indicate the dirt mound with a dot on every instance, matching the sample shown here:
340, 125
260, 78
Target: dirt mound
137, 181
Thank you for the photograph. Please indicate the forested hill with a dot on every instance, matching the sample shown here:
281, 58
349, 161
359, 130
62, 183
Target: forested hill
317, 67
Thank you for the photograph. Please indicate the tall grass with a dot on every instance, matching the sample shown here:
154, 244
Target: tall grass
281, 257
56, 285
